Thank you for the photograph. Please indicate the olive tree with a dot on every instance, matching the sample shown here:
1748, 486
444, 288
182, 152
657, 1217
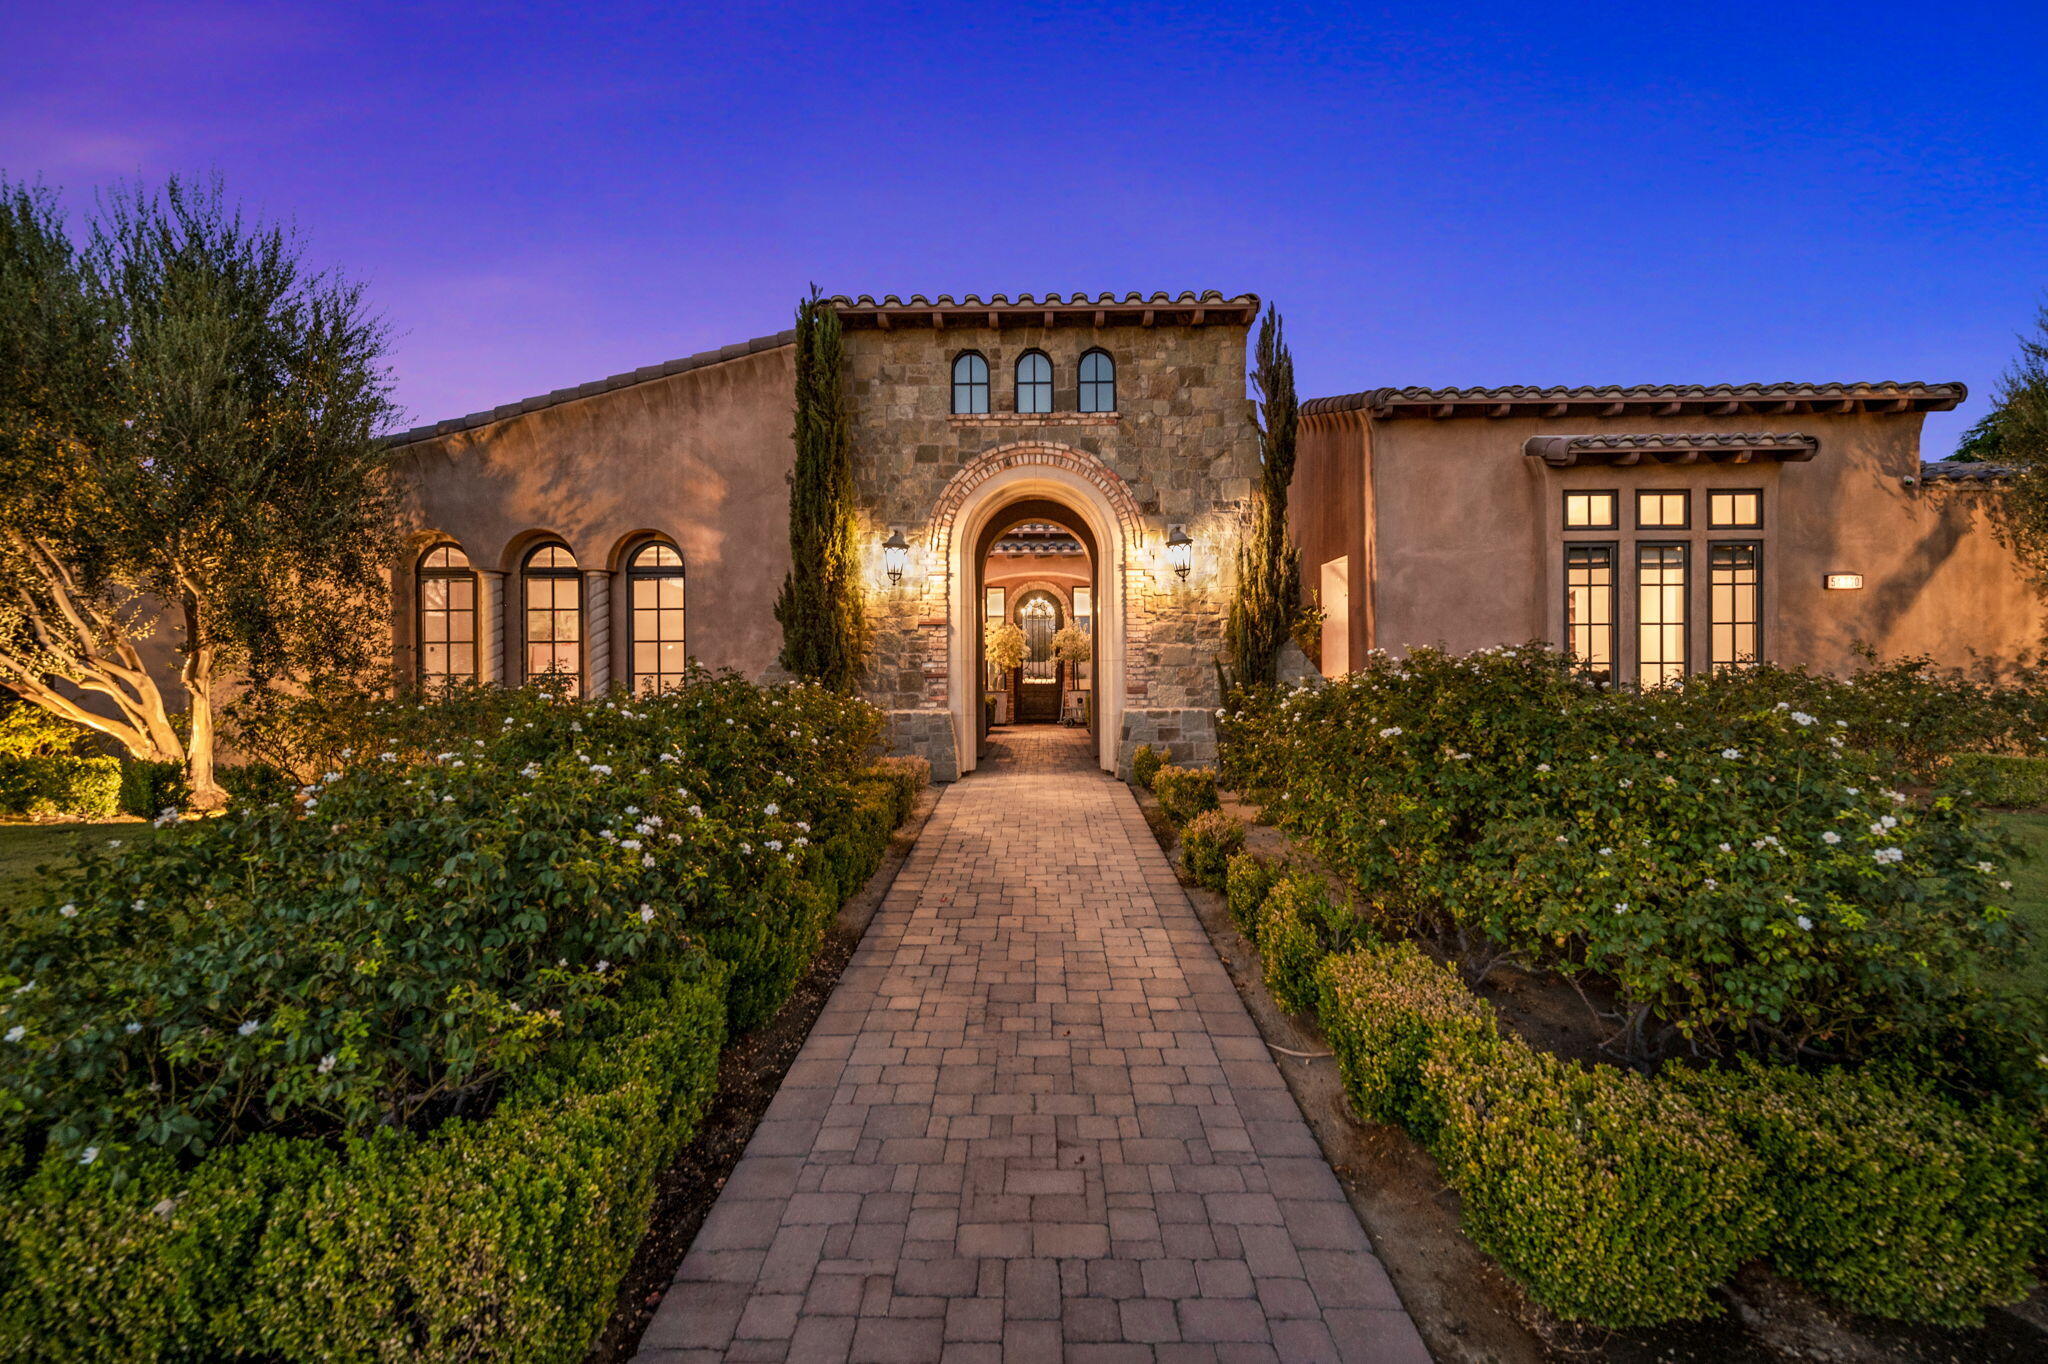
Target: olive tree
188, 420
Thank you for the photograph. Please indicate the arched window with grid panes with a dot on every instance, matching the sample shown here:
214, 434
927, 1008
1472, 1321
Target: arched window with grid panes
1098, 382
970, 385
1034, 382
654, 588
447, 616
551, 589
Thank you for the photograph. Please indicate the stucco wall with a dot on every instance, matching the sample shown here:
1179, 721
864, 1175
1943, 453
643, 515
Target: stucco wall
701, 458
1466, 551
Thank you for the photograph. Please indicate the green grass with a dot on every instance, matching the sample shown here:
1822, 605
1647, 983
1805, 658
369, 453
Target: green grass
28, 851
2030, 893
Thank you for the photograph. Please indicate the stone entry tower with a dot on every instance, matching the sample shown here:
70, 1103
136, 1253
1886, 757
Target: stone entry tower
1129, 413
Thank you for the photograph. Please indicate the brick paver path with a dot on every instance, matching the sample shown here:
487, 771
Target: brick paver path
1033, 1123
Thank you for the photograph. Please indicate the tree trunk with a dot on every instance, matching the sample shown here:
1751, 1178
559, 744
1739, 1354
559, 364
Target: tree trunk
207, 794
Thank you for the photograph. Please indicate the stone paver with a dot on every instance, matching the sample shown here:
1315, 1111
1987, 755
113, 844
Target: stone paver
1033, 1123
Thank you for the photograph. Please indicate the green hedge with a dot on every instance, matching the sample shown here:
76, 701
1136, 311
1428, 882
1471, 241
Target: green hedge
1293, 931
1207, 844
1385, 1009
59, 785
1185, 792
502, 1239
149, 787
1145, 764
2001, 779
1247, 881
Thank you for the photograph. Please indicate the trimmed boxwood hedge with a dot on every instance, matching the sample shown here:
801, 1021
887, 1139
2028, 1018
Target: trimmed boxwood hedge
59, 784
2000, 778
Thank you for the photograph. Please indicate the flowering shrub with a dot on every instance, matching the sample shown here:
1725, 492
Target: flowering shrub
1248, 879
1185, 792
387, 945
1208, 843
1742, 877
1145, 764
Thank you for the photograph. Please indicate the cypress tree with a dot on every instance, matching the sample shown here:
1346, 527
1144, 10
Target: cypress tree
824, 629
1268, 597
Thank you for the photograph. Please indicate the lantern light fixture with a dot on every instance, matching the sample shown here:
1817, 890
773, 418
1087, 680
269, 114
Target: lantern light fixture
895, 554
1180, 551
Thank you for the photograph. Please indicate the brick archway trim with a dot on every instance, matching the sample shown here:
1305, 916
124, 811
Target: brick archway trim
1028, 455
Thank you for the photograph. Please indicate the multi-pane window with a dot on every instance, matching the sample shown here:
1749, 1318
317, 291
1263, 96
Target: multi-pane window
553, 598
970, 385
1098, 382
1084, 620
1660, 614
1034, 382
1733, 577
993, 607
1738, 509
654, 586
447, 597
1589, 607
1589, 511
1662, 510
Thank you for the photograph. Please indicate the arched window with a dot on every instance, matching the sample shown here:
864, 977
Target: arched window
970, 385
1098, 382
447, 616
553, 591
654, 586
1034, 382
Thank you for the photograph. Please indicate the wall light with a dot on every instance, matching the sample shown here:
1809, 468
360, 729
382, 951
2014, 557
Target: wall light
1844, 582
895, 555
1180, 551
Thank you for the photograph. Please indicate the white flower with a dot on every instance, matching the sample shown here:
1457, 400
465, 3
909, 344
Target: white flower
2005, 885
1710, 883
1390, 731
1805, 924
1731, 752
1606, 852
1542, 767
16, 1033
630, 844
68, 911
647, 914
1621, 907
1726, 847
1986, 867
771, 809
1800, 717
1626, 783
1831, 837
1562, 839
603, 966
249, 1027
774, 845
632, 809
1853, 790
599, 770
646, 859
1889, 855
92, 1153
326, 1063
132, 1029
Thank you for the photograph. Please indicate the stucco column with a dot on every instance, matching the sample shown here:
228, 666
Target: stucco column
490, 633
597, 631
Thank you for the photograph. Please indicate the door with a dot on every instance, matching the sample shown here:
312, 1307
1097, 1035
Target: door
1038, 681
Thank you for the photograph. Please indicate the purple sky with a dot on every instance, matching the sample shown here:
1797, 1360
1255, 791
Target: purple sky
539, 195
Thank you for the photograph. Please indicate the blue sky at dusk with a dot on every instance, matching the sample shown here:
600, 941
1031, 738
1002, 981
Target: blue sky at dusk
539, 195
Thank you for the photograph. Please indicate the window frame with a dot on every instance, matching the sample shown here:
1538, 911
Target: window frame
423, 575
635, 574
1684, 495
1614, 617
1083, 384
1018, 383
1757, 524
971, 384
527, 573
1756, 586
1564, 510
1685, 623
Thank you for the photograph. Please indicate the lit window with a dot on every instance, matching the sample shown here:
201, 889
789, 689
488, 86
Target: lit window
554, 616
1084, 620
654, 585
1733, 580
1098, 382
970, 385
1743, 510
1662, 511
1660, 614
1589, 511
1034, 382
993, 606
447, 617
1589, 608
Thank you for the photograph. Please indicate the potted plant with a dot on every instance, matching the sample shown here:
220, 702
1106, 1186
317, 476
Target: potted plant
1071, 644
1003, 642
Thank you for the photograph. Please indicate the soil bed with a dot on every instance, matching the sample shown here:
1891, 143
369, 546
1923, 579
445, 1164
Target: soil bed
749, 1073
1468, 1310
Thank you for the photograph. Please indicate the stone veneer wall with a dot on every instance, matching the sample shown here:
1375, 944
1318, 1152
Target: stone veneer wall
1183, 445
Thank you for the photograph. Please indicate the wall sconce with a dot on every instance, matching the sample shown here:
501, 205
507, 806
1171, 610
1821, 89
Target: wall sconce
1844, 582
895, 555
1180, 551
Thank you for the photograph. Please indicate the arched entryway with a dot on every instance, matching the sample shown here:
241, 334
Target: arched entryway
1053, 485
1038, 576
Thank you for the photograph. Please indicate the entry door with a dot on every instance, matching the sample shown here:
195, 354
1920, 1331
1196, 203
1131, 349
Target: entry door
1038, 681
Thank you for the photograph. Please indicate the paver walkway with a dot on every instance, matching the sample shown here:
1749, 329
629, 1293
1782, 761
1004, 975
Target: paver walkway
1033, 1122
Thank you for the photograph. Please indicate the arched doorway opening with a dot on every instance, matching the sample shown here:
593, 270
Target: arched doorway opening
1038, 583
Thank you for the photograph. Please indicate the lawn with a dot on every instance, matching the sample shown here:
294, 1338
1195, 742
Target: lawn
27, 848
2030, 892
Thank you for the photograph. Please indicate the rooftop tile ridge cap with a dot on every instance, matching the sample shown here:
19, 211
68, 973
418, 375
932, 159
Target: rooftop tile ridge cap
1185, 298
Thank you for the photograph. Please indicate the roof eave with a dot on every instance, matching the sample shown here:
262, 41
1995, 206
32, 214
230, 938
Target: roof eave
1073, 310
1720, 400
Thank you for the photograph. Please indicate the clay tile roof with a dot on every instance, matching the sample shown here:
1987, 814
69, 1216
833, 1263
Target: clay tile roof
1070, 309
1643, 399
1670, 447
1964, 471
591, 389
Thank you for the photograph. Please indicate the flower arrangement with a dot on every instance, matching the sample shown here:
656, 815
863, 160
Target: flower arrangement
1071, 644
1004, 642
